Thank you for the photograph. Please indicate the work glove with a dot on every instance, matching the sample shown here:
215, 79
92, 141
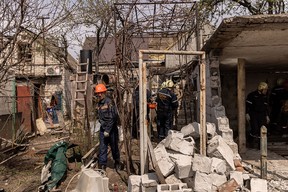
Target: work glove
106, 134
267, 119
247, 117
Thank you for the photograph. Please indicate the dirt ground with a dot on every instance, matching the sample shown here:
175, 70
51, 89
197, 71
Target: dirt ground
23, 172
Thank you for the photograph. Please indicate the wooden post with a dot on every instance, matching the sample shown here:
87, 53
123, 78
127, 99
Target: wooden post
241, 105
203, 138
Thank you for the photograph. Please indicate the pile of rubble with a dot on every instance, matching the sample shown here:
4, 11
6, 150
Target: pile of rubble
186, 170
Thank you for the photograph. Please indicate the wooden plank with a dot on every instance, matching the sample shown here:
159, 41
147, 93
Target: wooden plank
241, 105
154, 162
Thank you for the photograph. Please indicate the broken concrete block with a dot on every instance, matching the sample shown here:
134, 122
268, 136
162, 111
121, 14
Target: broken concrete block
214, 81
233, 146
223, 123
230, 185
183, 168
134, 183
237, 176
172, 179
216, 101
164, 162
218, 111
192, 129
211, 129
258, 185
149, 182
176, 142
217, 147
202, 164
202, 182
218, 166
173, 187
227, 134
217, 180
91, 180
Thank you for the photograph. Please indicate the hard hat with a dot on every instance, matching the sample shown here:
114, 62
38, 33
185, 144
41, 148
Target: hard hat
163, 85
100, 88
169, 84
262, 86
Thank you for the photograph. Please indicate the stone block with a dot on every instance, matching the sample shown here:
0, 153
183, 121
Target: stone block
149, 182
258, 185
237, 176
217, 180
202, 164
218, 111
223, 123
176, 142
202, 182
216, 101
192, 129
176, 187
218, 166
91, 180
165, 164
211, 129
233, 146
134, 183
217, 147
183, 168
172, 179
227, 134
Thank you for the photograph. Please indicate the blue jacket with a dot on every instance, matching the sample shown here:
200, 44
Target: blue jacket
107, 114
166, 100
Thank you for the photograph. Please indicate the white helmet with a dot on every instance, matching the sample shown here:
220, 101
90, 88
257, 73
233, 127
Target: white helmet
169, 84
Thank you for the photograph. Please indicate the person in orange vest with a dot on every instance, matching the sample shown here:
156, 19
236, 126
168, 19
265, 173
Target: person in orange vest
108, 116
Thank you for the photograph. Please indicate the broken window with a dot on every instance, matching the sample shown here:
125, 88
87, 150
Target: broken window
25, 52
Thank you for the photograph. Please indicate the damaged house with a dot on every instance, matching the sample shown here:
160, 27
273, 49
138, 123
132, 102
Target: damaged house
36, 70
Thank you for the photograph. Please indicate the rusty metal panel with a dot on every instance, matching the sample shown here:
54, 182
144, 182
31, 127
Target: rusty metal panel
24, 103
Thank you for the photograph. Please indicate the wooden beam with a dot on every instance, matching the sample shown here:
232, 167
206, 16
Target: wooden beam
241, 79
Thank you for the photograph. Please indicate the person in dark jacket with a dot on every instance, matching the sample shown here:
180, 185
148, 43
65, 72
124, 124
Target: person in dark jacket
108, 116
135, 127
166, 105
257, 110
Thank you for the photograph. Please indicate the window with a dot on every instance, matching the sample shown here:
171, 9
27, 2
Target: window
24, 52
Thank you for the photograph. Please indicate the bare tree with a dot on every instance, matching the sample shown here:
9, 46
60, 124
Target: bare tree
93, 18
19, 16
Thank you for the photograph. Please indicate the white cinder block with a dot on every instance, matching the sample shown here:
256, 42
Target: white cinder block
202, 182
258, 185
218, 148
164, 162
201, 163
176, 142
134, 183
183, 168
237, 176
217, 180
218, 166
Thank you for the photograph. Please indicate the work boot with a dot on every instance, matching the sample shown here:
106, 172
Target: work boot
103, 167
117, 165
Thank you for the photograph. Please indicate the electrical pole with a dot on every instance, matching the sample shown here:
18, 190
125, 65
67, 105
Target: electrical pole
44, 41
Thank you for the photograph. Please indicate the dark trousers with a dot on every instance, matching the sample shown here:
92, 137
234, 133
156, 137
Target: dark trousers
164, 123
256, 122
112, 140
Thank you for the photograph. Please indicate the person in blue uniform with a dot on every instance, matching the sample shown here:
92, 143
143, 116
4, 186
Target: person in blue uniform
166, 105
108, 116
257, 111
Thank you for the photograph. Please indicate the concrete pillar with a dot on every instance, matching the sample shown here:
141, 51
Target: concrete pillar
241, 105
